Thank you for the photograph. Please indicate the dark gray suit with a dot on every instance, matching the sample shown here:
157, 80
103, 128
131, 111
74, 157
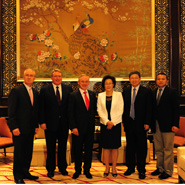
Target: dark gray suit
24, 116
83, 120
55, 117
135, 133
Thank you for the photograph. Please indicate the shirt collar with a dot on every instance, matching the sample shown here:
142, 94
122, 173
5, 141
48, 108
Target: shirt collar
27, 87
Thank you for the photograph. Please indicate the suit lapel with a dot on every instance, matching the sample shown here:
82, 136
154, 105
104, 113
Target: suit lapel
163, 95
138, 93
52, 93
81, 99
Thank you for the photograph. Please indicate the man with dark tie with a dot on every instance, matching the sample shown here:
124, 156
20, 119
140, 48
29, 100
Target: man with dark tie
165, 123
82, 109
53, 119
136, 119
23, 122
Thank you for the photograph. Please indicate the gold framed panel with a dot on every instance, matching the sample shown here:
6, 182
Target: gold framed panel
92, 36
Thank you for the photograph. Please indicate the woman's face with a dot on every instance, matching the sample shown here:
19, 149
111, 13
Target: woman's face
108, 85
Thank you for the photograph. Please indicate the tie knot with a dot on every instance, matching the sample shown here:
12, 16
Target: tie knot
134, 89
160, 90
85, 92
57, 87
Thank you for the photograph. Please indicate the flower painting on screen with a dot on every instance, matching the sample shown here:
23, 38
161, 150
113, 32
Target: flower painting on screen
96, 37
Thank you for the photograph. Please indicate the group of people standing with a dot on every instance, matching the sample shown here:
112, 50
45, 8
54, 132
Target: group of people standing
57, 109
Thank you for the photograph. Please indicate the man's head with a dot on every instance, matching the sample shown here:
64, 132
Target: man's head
135, 78
161, 80
56, 76
83, 81
29, 77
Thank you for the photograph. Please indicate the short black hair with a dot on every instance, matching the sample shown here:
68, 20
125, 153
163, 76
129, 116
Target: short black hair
161, 73
108, 77
135, 72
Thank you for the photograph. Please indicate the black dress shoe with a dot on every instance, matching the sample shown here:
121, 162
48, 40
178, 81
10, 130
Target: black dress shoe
19, 181
129, 172
50, 174
64, 172
114, 174
164, 175
142, 175
30, 177
76, 175
156, 172
88, 175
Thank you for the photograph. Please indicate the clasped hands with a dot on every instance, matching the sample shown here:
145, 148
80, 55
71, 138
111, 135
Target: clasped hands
110, 124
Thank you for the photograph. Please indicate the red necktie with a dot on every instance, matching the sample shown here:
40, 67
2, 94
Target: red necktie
86, 100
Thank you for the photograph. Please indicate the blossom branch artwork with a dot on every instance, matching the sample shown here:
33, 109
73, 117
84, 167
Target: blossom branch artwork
96, 37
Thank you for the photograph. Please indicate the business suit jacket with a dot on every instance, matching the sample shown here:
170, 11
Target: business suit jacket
79, 117
116, 108
21, 113
143, 107
50, 111
167, 111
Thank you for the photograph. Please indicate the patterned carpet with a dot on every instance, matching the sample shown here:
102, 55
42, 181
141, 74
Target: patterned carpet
6, 176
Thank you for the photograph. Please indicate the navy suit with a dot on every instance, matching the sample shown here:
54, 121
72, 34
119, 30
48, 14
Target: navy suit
55, 117
167, 111
83, 120
23, 115
135, 133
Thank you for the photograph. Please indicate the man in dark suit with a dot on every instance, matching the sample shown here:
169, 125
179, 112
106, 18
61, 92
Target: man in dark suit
23, 122
53, 119
165, 123
136, 119
82, 109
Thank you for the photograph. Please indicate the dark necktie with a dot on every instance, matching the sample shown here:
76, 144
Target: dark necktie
86, 100
159, 96
58, 95
132, 112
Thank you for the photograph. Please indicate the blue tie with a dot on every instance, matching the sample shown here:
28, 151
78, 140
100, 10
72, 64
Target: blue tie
132, 112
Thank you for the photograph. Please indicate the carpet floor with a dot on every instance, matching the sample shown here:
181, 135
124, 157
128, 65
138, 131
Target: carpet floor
6, 175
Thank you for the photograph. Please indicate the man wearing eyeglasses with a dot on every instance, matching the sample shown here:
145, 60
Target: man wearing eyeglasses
53, 120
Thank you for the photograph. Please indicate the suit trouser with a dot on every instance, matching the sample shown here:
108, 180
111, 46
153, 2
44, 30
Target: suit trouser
23, 149
164, 143
136, 148
51, 139
79, 142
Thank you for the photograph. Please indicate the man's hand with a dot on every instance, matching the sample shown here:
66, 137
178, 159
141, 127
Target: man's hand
175, 129
36, 130
146, 127
43, 126
16, 132
110, 125
75, 132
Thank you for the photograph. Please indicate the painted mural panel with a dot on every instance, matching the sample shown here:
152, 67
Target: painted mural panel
95, 37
